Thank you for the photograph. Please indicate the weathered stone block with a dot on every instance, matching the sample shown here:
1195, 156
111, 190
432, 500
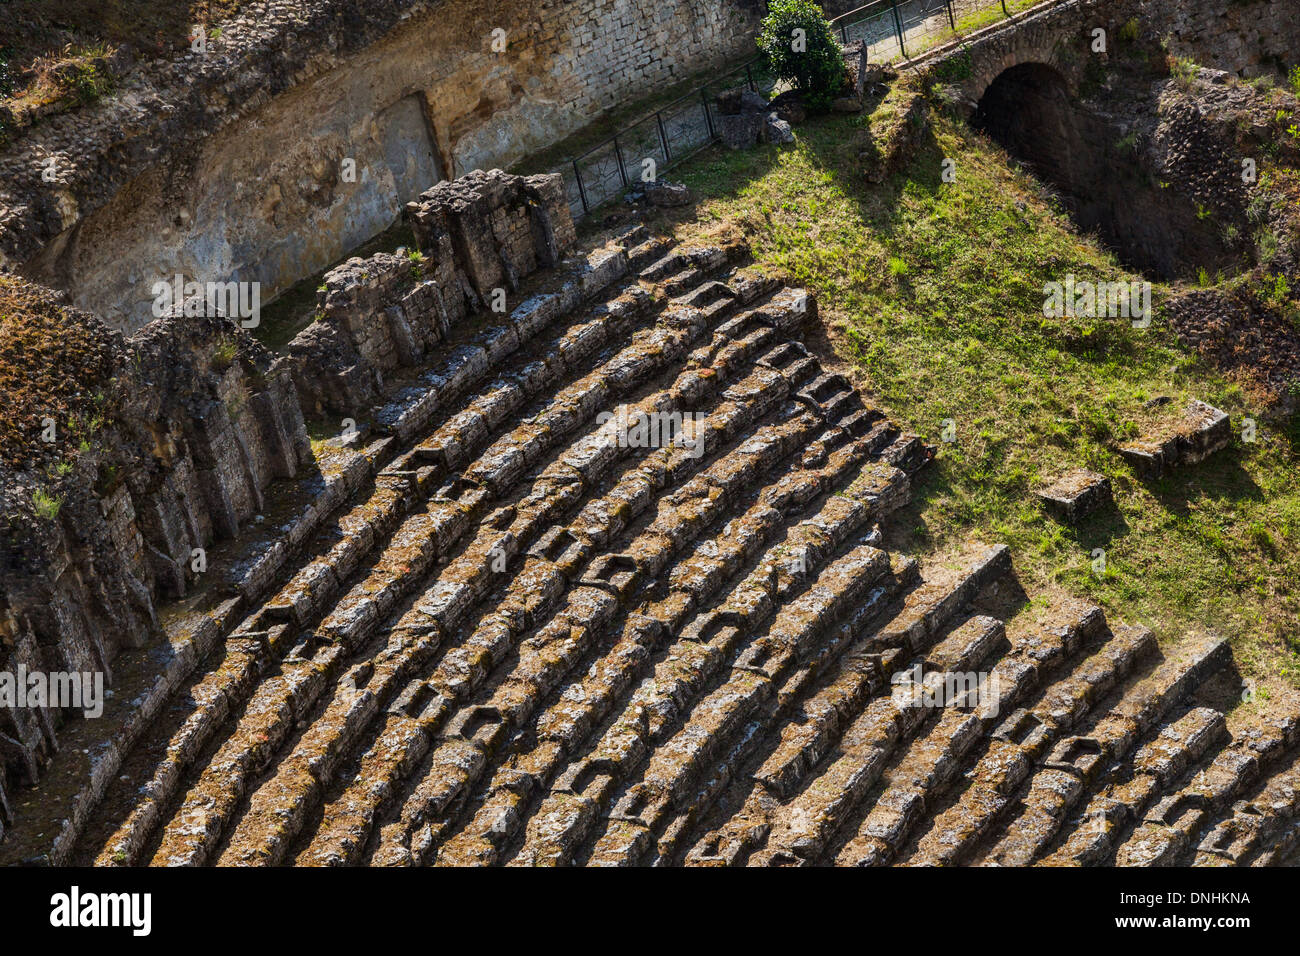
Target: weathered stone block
1075, 495
1202, 431
740, 130
662, 193
776, 130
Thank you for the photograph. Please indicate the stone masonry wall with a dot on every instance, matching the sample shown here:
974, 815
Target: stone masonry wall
1250, 38
231, 165
483, 232
1247, 37
204, 421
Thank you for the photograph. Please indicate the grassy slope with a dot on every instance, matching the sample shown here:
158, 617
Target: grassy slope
933, 292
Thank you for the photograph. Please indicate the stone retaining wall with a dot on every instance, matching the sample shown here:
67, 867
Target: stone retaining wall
307, 126
1250, 38
478, 234
204, 421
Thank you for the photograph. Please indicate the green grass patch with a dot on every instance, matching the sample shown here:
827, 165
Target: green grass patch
46, 505
935, 292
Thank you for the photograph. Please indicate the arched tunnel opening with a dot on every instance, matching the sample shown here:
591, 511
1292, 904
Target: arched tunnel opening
1099, 172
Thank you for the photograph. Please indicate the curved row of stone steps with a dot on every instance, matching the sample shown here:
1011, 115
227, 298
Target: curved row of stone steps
513, 637
1081, 716
319, 521
733, 544
840, 737
458, 677
1024, 786
508, 543
1139, 819
679, 519
350, 541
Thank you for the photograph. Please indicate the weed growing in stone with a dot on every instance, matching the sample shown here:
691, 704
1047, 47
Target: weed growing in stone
47, 506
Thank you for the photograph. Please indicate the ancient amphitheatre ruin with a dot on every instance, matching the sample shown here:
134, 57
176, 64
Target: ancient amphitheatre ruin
437, 474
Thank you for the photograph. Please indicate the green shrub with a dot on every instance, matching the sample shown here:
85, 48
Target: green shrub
1183, 71
88, 83
47, 506
416, 258
955, 68
798, 45
223, 353
87, 77
1277, 293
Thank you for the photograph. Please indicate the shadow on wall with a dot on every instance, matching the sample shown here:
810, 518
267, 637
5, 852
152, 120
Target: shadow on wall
297, 174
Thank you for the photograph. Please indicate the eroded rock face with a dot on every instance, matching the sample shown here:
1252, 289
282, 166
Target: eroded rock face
308, 124
198, 420
1249, 38
1235, 330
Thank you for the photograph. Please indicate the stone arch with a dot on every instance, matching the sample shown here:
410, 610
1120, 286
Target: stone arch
1031, 108
990, 63
1028, 109
1057, 38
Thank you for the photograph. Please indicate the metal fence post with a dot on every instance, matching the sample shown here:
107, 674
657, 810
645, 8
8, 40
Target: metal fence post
1005, 12
708, 113
622, 169
663, 138
582, 190
952, 20
898, 28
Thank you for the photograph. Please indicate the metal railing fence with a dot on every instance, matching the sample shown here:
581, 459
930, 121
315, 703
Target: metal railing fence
892, 29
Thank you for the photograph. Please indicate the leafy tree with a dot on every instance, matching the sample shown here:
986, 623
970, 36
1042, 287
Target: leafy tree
798, 45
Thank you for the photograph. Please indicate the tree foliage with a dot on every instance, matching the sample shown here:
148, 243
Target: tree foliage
799, 46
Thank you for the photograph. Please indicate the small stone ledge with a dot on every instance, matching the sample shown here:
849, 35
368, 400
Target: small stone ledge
1075, 495
1202, 431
